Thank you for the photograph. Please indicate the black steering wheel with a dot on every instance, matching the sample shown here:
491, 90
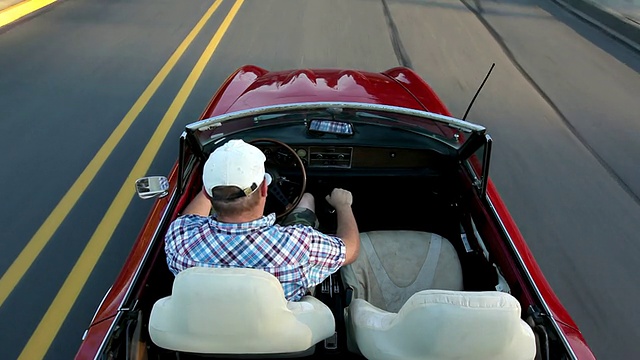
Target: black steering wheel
284, 193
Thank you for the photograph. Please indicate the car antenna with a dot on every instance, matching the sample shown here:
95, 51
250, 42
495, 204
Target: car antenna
478, 91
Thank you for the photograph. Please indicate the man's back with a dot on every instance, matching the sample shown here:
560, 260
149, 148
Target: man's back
299, 256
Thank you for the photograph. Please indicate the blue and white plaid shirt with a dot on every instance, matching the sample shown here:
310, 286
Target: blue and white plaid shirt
298, 255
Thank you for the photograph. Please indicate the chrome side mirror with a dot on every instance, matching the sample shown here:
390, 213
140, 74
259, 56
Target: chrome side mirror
152, 186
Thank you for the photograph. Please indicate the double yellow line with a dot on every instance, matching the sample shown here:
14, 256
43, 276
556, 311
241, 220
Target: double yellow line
50, 324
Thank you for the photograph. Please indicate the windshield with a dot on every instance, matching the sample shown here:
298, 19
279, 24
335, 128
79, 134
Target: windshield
343, 118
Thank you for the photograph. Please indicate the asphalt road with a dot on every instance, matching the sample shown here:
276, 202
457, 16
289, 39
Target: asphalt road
562, 107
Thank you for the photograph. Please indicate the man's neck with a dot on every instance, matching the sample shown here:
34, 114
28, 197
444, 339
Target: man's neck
240, 218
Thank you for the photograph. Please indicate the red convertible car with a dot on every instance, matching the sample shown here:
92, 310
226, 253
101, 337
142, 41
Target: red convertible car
443, 272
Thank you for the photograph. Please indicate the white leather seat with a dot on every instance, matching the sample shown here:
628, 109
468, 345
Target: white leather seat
394, 265
236, 311
397, 313
444, 325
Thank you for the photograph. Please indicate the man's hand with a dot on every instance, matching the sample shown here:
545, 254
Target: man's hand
340, 198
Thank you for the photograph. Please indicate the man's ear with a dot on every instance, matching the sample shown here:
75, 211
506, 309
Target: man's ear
264, 189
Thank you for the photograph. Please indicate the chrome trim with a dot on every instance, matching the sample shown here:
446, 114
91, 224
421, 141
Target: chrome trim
530, 278
207, 124
477, 183
145, 257
104, 297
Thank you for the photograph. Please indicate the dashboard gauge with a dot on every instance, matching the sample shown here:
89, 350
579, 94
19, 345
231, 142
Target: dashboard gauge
302, 153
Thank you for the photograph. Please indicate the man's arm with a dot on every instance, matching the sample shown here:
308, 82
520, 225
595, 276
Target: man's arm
200, 205
347, 227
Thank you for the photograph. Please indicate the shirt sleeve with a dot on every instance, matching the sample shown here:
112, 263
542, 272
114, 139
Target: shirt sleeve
326, 255
174, 241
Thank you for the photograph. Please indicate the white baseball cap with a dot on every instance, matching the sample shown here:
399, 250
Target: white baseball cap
235, 163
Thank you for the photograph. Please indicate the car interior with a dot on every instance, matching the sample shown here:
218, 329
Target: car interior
434, 278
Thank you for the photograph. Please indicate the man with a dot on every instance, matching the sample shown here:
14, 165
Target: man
239, 235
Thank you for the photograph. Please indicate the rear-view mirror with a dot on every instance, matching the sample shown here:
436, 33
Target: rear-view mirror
323, 126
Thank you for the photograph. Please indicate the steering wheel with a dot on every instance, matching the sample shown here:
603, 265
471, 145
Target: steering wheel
284, 194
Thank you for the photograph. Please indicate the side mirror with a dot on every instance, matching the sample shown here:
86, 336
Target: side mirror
152, 186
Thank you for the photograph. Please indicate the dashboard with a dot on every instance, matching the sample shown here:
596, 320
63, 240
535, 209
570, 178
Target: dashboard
347, 157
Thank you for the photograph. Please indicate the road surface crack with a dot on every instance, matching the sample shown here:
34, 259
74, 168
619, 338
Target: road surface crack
496, 36
398, 48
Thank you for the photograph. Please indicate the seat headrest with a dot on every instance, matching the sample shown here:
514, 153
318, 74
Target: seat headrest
441, 324
218, 310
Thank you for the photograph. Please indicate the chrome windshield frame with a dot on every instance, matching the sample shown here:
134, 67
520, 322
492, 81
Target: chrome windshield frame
212, 122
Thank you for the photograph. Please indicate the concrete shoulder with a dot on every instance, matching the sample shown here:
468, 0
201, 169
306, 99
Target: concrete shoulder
619, 20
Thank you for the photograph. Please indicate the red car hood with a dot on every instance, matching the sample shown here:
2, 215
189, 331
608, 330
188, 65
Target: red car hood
252, 87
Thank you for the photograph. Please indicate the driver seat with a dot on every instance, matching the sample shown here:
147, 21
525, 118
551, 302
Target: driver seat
235, 311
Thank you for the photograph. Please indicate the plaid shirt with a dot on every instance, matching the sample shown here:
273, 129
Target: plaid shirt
299, 256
